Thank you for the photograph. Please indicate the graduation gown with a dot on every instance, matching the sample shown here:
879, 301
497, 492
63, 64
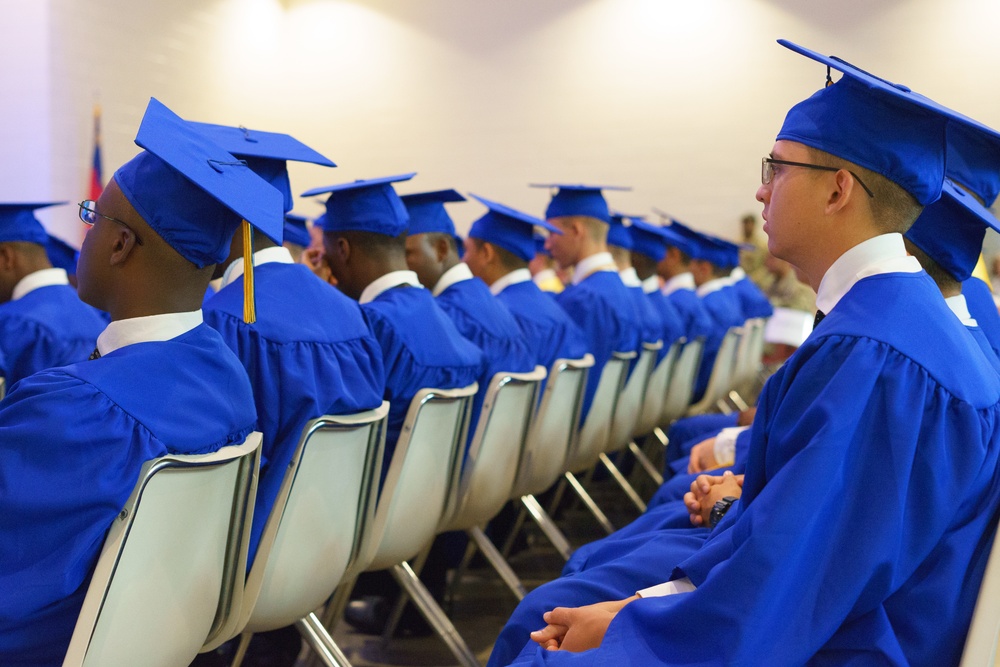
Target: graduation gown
310, 353
889, 392
548, 331
49, 326
488, 324
671, 326
983, 309
695, 320
598, 306
723, 307
421, 348
72, 441
752, 301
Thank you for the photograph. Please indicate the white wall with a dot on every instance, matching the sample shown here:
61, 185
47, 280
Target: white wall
678, 99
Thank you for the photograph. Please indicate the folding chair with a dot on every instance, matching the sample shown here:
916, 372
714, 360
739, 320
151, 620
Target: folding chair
550, 439
165, 584
981, 642
719, 380
652, 407
626, 417
418, 492
748, 364
3, 388
314, 531
593, 436
681, 386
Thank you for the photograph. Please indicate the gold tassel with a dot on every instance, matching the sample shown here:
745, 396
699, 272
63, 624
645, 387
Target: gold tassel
249, 305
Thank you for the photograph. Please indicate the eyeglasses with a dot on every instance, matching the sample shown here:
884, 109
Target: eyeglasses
89, 215
767, 171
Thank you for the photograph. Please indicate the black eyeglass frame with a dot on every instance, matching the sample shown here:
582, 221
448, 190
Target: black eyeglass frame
89, 215
767, 173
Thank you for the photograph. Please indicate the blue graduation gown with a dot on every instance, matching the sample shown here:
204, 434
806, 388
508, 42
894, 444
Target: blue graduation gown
72, 441
983, 309
671, 324
687, 432
421, 348
310, 353
695, 320
889, 392
724, 308
547, 329
486, 322
47, 327
753, 302
601, 306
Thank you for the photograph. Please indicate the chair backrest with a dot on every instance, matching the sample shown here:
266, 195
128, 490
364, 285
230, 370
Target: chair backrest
319, 515
630, 403
170, 574
681, 386
554, 427
741, 360
596, 430
656, 389
981, 642
755, 361
719, 381
422, 479
3, 387
491, 463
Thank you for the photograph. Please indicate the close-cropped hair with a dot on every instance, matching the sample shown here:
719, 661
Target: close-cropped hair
372, 244
944, 280
893, 209
596, 229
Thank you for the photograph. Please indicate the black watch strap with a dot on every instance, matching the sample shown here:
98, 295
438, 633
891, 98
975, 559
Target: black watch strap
719, 510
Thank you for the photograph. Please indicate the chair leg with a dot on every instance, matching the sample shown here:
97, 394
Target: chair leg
589, 502
320, 642
430, 610
738, 401
723, 407
497, 561
241, 650
397, 610
645, 463
470, 551
512, 537
629, 490
557, 496
548, 526
661, 436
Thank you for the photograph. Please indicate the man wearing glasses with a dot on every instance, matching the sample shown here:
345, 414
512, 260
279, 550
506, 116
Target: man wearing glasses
43, 323
870, 494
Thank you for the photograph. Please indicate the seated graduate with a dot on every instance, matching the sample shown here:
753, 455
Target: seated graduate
498, 249
675, 269
889, 386
307, 348
543, 269
43, 323
594, 298
620, 246
753, 302
73, 439
648, 250
62, 256
432, 253
365, 239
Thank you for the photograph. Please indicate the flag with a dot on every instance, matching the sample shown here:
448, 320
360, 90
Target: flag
96, 181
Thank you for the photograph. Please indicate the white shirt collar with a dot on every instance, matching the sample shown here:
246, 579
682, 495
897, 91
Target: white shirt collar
882, 254
630, 277
651, 284
680, 281
601, 261
388, 281
737, 274
455, 274
40, 278
713, 285
277, 254
514, 277
146, 329
959, 306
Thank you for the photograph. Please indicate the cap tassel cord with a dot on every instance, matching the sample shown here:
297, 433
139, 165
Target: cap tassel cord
249, 305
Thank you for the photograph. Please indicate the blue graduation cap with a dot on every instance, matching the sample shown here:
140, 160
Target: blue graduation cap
295, 230
618, 231
193, 193
427, 212
508, 228
18, 222
578, 200
648, 239
951, 230
728, 253
974, 159
61, 254
365, 206
882, 126
265, 152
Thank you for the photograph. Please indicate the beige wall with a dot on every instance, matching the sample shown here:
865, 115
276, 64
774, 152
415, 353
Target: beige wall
678, 99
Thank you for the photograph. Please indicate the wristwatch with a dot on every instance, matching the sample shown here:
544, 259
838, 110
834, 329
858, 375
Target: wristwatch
719, 510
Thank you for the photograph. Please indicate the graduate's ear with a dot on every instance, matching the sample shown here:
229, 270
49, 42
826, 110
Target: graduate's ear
441, 247
844, 188
123, 243
6, 257
343, 248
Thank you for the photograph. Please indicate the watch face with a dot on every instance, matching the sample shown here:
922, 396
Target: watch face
719, 510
